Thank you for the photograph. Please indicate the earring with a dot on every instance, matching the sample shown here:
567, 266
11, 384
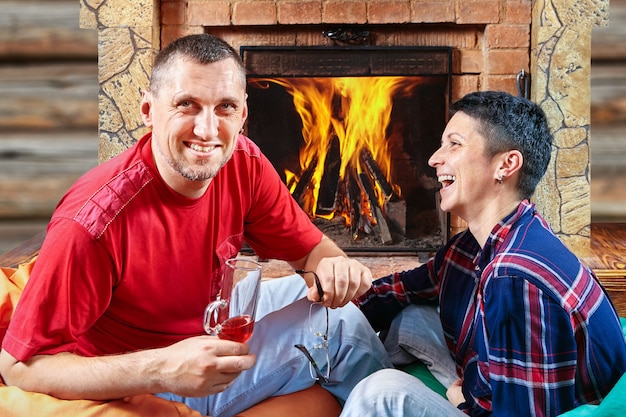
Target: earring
500, 179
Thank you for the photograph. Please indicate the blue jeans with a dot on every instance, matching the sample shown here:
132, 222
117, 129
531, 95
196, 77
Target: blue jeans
283, 321
394, 393
416, 333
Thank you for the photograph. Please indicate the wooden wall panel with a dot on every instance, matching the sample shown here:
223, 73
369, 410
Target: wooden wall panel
48, 106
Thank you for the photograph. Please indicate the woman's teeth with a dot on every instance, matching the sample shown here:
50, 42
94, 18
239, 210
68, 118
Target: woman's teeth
446, 180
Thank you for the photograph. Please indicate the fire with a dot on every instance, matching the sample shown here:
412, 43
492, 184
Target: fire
348, 115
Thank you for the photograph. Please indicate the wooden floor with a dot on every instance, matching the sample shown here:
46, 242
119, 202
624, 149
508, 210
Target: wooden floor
608, 245
608, 260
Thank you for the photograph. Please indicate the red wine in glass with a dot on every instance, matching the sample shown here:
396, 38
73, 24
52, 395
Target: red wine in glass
238, 329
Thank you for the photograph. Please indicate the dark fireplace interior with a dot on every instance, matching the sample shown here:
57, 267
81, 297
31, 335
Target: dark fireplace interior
350, 130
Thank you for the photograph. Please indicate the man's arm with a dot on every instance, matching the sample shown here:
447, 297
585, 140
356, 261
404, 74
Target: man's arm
342, 278
197, 366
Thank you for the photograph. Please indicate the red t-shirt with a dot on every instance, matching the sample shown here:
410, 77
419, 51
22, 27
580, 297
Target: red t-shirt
130, 264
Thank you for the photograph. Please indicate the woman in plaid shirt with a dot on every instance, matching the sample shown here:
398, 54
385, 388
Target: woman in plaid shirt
528, 326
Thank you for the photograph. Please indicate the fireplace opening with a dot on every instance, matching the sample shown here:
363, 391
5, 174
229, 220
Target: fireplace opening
350, 130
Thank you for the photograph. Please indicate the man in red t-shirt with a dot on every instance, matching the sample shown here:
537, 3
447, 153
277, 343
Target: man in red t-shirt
134, 251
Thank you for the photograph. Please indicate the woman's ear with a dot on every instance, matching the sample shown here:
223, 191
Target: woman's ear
510, 163
145, 108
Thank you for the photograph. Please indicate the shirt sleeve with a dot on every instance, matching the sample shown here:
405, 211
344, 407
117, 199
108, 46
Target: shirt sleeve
69, 288
531, 352
276, 227
389, 295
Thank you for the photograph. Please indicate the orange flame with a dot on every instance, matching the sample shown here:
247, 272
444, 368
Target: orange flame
355, 109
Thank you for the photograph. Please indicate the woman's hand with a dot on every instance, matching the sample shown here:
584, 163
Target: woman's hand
455, 393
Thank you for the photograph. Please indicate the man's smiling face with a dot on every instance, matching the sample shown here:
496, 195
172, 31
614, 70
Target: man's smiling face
195, 116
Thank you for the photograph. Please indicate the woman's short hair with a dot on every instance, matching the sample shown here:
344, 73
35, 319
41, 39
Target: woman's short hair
510, 122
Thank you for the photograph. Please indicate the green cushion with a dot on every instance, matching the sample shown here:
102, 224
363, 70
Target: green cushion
421, 372
581, 411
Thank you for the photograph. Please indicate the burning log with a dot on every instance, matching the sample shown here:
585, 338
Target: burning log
383, 228
354, 201
304, 181
375, 172
355, 197
395, 213
330, 178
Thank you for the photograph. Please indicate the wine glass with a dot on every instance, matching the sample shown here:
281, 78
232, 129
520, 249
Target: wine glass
231, 316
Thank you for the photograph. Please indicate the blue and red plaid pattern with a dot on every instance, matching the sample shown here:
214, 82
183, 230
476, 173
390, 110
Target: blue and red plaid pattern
530, 327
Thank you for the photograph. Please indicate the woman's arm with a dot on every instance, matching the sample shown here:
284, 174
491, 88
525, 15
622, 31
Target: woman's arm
532, 352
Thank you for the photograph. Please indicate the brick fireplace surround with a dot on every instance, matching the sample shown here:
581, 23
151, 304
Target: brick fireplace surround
492, 41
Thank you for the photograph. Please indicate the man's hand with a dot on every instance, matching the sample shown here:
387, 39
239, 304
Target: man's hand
201, 366
342, 279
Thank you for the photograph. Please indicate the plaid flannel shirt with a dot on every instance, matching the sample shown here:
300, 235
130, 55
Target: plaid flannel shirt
530, 328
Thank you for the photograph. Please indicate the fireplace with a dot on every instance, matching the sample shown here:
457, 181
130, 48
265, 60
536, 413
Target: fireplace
350, 130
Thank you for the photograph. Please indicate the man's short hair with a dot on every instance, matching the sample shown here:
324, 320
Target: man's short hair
201, 48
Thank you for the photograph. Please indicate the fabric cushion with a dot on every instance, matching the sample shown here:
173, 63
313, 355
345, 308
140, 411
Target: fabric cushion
12, 282
420, 371
17, 403
311, 402
613, 405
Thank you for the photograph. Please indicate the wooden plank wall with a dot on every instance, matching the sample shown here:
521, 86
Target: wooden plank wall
48, 110
608, 47
48, 104
608, 117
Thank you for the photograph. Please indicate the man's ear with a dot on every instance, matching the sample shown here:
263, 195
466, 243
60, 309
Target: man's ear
244, 113
145, 108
